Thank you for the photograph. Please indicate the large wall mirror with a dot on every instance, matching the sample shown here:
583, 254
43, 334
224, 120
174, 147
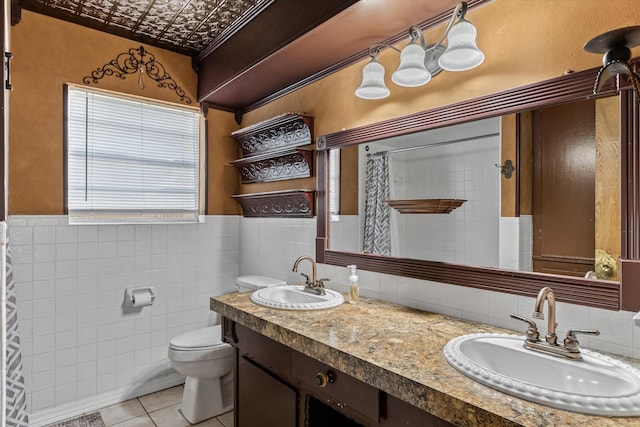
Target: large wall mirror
565, 218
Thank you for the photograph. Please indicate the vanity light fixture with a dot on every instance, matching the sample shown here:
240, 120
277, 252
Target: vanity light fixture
419, 62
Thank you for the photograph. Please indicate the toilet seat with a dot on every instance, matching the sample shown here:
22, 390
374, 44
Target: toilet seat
200, 339
201, 344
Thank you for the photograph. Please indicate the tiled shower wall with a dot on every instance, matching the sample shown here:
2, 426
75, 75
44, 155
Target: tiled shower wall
80, 347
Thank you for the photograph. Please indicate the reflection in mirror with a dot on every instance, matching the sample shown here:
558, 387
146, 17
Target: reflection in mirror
558, 213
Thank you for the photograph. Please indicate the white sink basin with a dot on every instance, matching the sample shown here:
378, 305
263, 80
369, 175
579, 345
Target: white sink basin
293, 297
596, 385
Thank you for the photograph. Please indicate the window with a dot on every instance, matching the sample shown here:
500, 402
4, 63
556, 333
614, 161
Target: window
334, 184
130, 161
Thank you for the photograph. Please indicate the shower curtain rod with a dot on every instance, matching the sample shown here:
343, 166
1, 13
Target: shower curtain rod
451, 141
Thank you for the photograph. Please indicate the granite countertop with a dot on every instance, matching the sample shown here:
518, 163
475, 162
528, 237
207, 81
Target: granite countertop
399, 350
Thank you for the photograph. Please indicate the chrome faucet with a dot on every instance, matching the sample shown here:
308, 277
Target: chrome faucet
570, 348
311, 284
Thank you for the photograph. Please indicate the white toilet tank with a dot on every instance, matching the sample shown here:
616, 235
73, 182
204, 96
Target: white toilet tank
253, 282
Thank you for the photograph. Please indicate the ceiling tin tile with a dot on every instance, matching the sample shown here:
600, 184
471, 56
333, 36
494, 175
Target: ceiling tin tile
185, 26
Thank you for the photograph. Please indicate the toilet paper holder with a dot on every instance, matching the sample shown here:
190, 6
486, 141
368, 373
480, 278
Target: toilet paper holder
140, 297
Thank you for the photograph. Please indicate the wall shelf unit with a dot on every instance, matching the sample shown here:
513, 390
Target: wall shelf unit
277, 166
272, 150
288, 203
425, 206
278, 133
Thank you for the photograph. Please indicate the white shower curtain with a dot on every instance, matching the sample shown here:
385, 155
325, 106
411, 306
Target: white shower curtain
377, 223
16, 404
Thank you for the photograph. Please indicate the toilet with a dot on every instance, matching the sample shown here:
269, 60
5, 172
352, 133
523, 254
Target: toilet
207, 363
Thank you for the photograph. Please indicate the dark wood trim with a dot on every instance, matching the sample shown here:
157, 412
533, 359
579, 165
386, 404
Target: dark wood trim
630, 180
270, 31
322, 223
517, 174
600, 294
630, 198
16, 12
575, 86
555, 91
4, 116
630, 293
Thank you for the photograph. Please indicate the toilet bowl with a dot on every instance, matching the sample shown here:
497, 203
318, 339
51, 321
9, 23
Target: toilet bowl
207, 363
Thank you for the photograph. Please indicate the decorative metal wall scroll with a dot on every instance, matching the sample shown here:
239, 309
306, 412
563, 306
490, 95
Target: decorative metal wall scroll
289, 203
272, 152
138, 61
281, 132
290, 164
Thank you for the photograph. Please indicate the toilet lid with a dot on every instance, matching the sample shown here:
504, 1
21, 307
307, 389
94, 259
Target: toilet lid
199, 339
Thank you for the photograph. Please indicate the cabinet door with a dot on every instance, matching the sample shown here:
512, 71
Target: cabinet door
397, 413
263, 400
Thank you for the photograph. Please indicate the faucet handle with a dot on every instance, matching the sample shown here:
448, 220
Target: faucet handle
321, 282
532, 329
571, 342
307, 279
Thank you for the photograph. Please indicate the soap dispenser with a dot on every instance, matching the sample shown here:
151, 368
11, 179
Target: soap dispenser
354, 289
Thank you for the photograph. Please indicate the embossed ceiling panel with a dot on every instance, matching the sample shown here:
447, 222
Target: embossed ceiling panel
185, 26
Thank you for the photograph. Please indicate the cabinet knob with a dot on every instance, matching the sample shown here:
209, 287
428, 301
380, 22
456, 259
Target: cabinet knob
323, 379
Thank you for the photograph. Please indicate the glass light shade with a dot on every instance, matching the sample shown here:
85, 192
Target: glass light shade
463, 53
372, 86
411, 72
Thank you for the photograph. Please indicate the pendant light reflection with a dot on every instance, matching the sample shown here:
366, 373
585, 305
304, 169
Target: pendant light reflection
420, 62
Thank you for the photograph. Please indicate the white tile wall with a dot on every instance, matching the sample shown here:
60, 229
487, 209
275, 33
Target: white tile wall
516, 244
619, 335
77, 341
79, 345
269, 246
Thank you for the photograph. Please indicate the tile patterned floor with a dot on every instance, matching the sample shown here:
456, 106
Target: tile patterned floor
160, 409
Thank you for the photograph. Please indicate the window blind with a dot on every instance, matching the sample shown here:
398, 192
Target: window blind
130, 161
334, 184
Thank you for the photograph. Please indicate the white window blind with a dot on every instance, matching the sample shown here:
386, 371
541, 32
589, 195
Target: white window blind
130, 161
334, 184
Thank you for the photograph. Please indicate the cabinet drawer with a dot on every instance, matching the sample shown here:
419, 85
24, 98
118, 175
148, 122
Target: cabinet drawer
336, 389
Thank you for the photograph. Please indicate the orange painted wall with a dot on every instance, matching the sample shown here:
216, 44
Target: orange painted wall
524, 41
49, 53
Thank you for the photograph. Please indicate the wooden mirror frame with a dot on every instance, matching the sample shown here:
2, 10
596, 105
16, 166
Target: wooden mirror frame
622, 295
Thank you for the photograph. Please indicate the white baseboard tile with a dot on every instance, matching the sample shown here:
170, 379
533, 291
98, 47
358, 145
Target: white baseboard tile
72, 409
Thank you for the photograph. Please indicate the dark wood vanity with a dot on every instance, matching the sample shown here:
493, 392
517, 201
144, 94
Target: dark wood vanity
369, 364
278, 386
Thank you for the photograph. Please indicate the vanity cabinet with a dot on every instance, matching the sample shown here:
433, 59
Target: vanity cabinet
278, 386
262, 399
